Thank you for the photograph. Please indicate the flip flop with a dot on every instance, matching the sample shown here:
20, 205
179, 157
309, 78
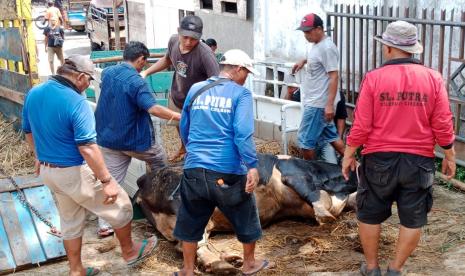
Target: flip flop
264, 265
141, 256
92, 271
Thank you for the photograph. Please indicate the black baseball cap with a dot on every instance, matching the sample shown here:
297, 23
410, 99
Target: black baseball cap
192, 26
211, 42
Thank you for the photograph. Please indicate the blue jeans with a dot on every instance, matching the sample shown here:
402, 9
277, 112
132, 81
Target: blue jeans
201, 194
315, 130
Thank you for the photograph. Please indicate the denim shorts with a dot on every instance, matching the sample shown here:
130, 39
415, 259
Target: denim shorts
315, 130
405, 178
201, 193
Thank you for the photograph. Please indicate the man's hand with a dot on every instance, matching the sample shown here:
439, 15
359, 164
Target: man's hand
448, 163
299, 65
329, 113
348, 163
252, 180
37, 167
143, 74
110, 192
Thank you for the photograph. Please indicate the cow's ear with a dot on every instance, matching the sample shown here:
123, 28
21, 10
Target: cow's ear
141, 181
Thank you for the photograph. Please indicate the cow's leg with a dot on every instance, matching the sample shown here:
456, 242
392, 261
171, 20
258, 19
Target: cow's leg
338, 204
322, 207
352, 202
210, 259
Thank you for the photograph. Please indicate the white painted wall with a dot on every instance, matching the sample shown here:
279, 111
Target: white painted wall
162, 19
275, 21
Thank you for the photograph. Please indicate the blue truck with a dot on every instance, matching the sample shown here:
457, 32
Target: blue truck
76, 13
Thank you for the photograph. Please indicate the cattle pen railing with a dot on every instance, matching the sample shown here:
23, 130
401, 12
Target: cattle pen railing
442, 34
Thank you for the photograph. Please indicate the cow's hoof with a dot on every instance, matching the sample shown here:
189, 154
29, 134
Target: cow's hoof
223, 268
325, 219
233, 259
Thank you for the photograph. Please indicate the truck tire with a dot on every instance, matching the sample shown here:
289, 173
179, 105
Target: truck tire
95, 46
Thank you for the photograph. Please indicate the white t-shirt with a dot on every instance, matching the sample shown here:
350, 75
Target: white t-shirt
322, 58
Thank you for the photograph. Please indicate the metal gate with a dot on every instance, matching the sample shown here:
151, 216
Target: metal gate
442, 34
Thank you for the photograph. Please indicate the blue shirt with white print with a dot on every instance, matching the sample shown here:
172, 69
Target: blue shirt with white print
218, 128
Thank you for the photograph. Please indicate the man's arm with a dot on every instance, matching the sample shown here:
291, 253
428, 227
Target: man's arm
164, 113
299, 65
448, 163
244, 128
184, 123
30, 142
160, 65
94, 160
348, 161
332, 92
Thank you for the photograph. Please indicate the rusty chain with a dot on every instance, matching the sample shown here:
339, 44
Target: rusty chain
25, 203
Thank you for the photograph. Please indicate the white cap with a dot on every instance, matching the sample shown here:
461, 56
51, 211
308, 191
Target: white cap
239, 58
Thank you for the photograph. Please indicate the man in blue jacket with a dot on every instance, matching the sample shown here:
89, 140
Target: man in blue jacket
220, 170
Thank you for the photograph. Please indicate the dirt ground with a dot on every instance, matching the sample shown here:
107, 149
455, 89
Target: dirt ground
298, 247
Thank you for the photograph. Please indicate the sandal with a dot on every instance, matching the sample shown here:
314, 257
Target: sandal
141, 256
92, 271
372, 272
265, 265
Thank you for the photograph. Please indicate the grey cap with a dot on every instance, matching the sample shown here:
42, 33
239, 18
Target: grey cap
192, 26
401, 35
82, 64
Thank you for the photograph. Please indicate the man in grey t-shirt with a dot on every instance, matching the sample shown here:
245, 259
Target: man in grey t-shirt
319, 90
193, 62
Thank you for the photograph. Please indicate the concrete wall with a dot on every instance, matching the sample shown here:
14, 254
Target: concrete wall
162, 20
229, 30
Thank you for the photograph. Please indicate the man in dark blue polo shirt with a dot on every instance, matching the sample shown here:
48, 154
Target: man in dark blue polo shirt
124, 127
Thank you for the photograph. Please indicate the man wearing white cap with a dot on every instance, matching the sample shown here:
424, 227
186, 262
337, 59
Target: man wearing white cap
60, 128
220, 170
401, 114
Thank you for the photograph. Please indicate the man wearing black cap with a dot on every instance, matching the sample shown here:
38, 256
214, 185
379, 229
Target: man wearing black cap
192, 61
319, 89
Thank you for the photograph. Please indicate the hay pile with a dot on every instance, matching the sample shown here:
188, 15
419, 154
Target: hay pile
15, 156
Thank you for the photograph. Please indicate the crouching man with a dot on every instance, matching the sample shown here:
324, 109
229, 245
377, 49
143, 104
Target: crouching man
220, 169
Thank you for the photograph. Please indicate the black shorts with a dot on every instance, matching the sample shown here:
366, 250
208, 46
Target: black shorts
405, 178
201, 194
341, 110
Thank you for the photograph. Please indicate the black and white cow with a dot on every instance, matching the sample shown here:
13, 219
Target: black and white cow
288, 187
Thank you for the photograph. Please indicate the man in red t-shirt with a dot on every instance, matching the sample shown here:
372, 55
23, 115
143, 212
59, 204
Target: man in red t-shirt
402, 113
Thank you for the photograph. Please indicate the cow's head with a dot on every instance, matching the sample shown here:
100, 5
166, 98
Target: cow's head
159, 198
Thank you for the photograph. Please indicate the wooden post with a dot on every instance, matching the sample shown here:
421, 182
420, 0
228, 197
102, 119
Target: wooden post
116, 26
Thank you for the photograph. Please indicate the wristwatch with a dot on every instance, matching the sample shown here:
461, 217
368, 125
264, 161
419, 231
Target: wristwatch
106, 180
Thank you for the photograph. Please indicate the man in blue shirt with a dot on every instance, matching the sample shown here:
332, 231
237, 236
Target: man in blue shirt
220, 171
60, 128
124, 127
